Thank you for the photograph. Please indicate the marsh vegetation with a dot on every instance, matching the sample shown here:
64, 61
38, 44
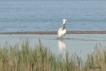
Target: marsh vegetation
42, 59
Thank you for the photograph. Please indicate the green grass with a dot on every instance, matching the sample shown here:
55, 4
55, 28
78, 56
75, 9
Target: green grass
42, 59
96, 61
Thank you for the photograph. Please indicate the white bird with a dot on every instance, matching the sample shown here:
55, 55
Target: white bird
62, 30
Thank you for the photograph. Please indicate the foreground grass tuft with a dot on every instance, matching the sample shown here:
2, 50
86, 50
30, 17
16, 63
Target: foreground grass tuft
42, 59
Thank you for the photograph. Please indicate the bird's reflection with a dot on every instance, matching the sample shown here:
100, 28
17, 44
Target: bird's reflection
19, 44
62, 47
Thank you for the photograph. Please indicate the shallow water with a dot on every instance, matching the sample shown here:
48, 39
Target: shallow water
81, 44
26, 15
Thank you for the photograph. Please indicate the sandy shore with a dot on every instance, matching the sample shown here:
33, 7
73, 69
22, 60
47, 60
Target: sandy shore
55, 32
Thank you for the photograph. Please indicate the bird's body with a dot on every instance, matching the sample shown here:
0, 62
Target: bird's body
62, 30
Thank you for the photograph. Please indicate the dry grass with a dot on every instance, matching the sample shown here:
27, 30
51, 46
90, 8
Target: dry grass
97, 60
42, 59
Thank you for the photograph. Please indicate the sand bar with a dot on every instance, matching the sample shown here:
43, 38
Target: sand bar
55, 32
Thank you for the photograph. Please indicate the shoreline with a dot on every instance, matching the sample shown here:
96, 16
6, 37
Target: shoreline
55, 32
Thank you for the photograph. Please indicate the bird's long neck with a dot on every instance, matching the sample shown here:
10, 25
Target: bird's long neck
64, 27
64, 22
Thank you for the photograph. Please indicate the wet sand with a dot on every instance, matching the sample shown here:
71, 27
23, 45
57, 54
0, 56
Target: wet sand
55, 32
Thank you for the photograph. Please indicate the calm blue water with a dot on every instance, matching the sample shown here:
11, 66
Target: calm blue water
47, 15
